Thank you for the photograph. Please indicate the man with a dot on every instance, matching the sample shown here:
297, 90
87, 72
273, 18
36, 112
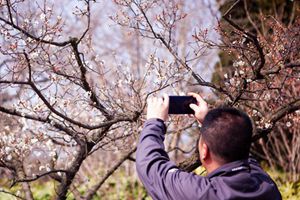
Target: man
224, 145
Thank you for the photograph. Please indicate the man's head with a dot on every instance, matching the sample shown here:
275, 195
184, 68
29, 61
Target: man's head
226, 134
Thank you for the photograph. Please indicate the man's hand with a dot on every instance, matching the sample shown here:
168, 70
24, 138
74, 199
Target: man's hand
200, 109
158, 108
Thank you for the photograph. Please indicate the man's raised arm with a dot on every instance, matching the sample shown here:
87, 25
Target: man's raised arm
160, 176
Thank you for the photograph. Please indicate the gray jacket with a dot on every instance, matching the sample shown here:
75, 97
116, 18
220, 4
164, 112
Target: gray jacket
242, 179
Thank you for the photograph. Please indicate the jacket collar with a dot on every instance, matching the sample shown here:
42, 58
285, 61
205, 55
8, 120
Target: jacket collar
229, 168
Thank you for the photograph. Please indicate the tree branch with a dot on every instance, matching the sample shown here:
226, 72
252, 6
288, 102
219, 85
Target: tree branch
36, 177
59, 44
275, 117
88, 23
85, 85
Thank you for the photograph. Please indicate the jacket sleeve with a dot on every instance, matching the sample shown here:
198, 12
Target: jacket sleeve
160, 176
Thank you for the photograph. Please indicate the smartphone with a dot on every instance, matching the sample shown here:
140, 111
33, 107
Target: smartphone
180, 104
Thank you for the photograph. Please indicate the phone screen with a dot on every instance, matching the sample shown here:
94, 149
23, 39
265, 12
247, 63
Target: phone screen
180, 104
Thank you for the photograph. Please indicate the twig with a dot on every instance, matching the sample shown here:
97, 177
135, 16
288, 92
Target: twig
36, 177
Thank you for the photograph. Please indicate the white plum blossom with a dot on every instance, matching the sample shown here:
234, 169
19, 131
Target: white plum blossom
48, 37
18, 193
9, 157
8, 150
52, 153
236, 73
29, 40
49, 143
268, 96
48, 169
22, 42
97, 58
67, 138
241, 63
87, 94
42, 16
41, 168
37, 153
74, 153
34, 140
33, 55
268, 125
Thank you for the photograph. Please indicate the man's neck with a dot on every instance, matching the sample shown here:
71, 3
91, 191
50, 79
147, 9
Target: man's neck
212, 167
212, 164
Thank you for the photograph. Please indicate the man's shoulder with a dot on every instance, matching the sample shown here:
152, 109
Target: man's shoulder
245, 179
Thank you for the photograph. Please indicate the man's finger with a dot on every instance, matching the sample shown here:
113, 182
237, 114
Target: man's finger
199, 99
194, 107
166, 99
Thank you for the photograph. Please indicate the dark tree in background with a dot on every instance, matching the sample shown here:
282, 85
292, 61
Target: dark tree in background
264, 43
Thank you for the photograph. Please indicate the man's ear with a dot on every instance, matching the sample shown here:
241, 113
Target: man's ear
205, 151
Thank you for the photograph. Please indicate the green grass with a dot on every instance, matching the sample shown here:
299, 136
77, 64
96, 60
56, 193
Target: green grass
289, 190
120, 186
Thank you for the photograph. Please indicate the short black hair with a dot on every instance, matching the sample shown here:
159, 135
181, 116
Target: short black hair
227, 132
